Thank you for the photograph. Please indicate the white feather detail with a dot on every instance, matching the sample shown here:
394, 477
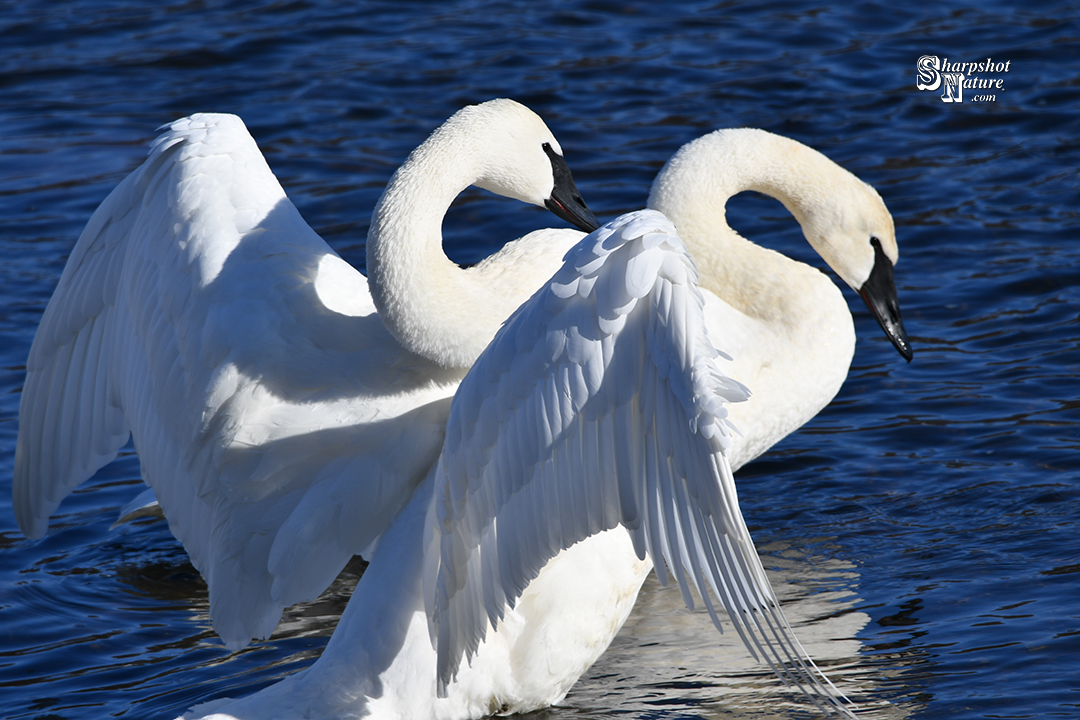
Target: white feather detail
610, 410
191, 313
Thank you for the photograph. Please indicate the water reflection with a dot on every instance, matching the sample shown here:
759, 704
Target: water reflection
672, 660
666, 659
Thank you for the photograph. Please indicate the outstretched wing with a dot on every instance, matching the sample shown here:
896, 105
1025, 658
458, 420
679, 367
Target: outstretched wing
201, 313
597, 405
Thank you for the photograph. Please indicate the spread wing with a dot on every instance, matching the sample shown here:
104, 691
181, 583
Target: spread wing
599, 404
200, 313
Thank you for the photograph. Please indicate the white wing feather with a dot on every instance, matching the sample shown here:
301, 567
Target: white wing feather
599, 404
200, 312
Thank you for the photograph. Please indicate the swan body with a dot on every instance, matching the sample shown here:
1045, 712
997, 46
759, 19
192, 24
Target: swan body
277, 417
380, 663
597, 407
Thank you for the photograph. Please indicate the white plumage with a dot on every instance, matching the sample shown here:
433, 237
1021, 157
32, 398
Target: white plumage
279, 423
597, 405
287, 418
785, 324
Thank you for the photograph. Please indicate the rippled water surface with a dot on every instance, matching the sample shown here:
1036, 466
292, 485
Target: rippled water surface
923, 529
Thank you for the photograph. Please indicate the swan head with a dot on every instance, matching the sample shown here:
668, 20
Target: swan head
521, 159
846, 221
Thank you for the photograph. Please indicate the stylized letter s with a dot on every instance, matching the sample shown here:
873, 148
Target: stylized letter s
929, 77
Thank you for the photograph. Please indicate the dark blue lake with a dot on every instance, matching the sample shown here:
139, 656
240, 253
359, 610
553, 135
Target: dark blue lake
925, 527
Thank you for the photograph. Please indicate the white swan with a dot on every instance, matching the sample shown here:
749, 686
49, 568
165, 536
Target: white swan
281, 496
597, 405
279, 423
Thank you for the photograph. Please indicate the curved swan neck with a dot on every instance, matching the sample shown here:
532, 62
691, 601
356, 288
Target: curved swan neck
703, 175
425, 300
693, 190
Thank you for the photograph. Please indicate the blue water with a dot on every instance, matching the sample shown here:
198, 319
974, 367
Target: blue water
925, 525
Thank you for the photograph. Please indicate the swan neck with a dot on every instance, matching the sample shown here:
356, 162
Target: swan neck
423, 298
694, 187
693, 190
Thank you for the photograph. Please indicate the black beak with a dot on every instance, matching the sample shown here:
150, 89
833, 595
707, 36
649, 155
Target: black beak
879, 294
565, 200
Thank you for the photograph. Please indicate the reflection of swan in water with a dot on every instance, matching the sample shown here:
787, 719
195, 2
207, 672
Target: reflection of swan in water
666, 658
464, 631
